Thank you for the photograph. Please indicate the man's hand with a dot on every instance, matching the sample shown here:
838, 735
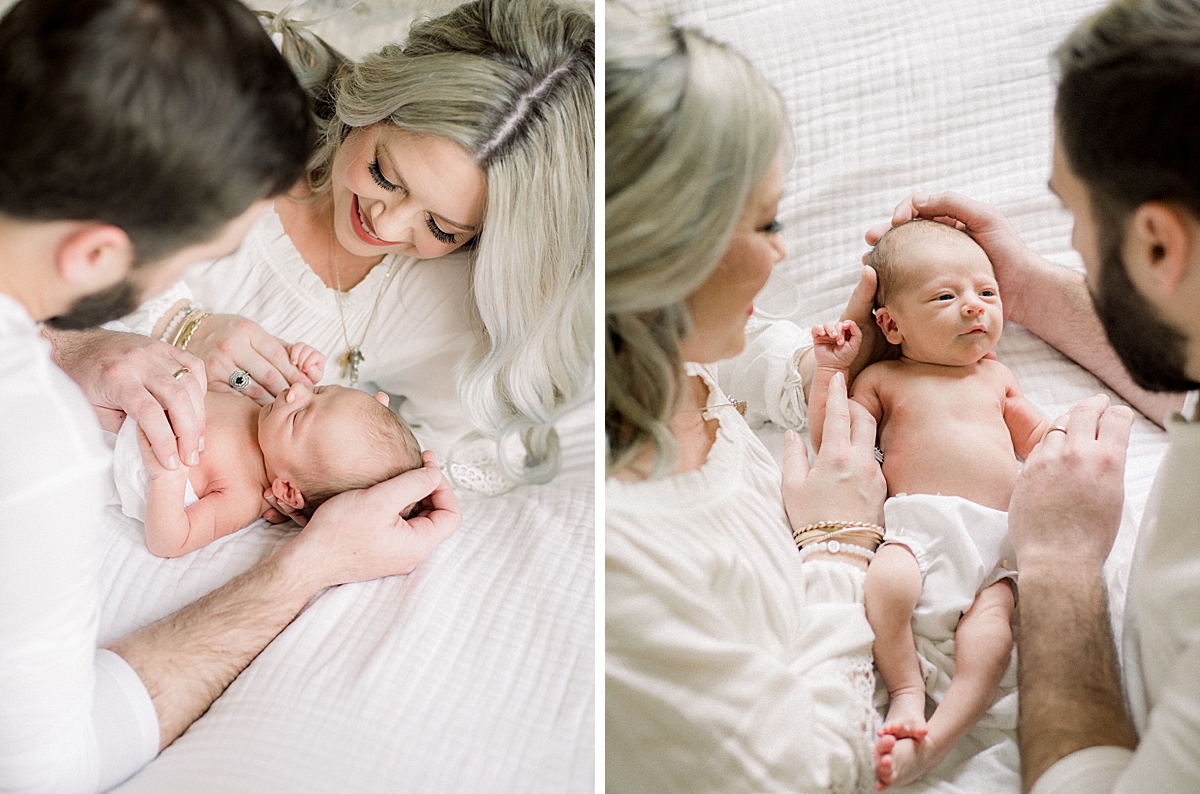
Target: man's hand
229, 342
130, 374
359, 535
1066, 506
1011, 258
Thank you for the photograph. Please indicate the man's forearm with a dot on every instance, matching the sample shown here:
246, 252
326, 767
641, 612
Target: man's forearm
1063, 315
1069, 685
186, 660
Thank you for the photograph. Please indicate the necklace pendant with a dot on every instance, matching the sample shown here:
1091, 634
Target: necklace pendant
350, 361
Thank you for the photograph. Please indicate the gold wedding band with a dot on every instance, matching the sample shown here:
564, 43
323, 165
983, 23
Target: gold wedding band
179, 373
1052, 428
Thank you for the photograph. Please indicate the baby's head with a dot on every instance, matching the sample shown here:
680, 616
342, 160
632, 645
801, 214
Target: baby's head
937, 296
319, 441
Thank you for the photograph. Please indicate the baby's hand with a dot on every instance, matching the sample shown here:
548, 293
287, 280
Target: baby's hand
835, 344
308, 360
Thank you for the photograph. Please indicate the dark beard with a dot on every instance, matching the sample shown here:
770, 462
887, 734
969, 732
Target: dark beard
98, 308
1154, 353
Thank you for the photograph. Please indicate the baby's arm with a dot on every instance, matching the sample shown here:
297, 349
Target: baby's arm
172, 531
1026, 423
834, 347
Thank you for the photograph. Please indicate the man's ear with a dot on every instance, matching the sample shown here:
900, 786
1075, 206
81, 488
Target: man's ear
382, 397
887, 324
1159, 244
287, 493
94, 257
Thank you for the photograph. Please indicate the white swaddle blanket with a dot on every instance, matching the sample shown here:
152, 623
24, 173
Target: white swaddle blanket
130, 477
961, 547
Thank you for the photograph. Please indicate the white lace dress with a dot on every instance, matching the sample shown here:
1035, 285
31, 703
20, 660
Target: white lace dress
730, 666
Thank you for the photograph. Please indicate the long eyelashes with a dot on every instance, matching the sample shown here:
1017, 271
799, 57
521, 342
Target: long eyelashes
436, 231
377, 175
439, 234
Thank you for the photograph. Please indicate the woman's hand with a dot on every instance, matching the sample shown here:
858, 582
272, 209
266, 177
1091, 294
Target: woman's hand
229, 342
124, 374
845, 484
359, 535
1011, 258
861, 309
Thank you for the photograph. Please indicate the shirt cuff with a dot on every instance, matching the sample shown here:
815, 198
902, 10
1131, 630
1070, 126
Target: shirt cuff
1189, 405
125, 722
1093, 770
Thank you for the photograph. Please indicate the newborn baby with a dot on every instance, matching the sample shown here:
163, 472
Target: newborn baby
951, 426
308, 445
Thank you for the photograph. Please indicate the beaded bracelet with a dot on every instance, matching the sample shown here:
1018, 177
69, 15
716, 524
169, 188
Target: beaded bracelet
825, 530
176, 321
834, 547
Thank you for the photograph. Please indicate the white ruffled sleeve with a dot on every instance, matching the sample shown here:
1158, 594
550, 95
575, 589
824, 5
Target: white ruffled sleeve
765, 374
143, 320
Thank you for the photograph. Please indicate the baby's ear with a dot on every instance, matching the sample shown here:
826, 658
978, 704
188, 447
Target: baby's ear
288, 494
887, 324
382, 397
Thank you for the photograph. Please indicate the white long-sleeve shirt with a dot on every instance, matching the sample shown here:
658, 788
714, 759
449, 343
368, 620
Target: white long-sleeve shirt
72, 719
730, 666
1161, 664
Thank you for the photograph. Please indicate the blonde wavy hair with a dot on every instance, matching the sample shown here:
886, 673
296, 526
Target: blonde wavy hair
512, 82
691, 128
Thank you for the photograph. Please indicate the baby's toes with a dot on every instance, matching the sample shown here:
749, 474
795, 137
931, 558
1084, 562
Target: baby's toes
905, 729
885, 771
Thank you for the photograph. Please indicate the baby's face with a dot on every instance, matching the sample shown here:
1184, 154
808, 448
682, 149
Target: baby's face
305, 423
947, 308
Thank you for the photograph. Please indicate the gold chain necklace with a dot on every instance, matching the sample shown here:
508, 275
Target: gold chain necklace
354, 355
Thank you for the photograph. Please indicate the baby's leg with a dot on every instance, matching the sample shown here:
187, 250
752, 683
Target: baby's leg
983, 646
890, 593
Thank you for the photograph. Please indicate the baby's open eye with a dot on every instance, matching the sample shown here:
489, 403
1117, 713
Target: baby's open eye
774, 227
988, 293
945, 296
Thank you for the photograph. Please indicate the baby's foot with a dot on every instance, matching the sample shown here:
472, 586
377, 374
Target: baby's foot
906, 716
899, 762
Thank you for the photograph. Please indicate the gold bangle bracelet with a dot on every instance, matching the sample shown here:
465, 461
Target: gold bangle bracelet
183, 325
191, 323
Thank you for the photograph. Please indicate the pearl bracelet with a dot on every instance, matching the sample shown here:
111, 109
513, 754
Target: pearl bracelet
176, 321
837, 547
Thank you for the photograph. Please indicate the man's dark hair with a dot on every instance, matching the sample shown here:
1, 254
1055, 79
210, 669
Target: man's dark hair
1128, 108
166, 118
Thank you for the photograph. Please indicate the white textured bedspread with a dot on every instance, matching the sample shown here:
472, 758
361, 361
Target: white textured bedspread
474, 673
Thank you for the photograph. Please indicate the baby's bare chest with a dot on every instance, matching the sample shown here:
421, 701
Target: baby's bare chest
934, 407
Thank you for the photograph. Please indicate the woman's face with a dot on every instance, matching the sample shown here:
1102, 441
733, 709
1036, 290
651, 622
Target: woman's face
396, 192
721, 305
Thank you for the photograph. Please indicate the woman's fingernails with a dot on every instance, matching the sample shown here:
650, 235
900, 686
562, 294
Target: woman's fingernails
173, 462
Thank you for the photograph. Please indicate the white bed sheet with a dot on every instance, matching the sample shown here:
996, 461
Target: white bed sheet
891, 97
474, 673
